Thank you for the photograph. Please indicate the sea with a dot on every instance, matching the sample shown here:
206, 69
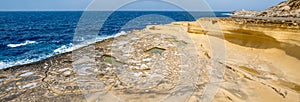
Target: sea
30, 36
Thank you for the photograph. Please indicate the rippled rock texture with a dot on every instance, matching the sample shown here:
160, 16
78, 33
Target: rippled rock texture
262, 59
135, 67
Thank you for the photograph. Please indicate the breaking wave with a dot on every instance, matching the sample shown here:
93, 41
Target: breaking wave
21, 44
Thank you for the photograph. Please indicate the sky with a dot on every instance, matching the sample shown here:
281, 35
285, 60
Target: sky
79, 5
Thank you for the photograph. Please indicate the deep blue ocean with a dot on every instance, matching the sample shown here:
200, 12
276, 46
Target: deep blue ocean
32, 36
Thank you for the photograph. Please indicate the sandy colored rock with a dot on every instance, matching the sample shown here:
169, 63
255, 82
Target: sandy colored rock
289, 8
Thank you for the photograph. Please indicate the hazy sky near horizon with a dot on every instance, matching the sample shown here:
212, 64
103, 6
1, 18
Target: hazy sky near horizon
65, 5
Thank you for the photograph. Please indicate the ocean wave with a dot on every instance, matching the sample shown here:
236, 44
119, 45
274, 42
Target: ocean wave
100, 38
71, 47
121, 33
21, 44
227, 14
20, 62
62, 49
6, 64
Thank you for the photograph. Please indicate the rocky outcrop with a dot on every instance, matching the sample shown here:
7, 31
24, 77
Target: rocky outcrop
289, 8
244, 12
261, 58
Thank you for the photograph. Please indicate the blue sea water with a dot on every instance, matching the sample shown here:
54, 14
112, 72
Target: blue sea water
32, 36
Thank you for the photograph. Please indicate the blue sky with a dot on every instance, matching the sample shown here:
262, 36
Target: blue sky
41, 5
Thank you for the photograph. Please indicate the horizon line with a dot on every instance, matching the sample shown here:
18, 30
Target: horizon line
110, 11
116, 10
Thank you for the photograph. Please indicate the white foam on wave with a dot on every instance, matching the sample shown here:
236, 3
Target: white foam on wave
227, 14
121, 33
4, 64
64, 48
100, 38
71, 47
22, 44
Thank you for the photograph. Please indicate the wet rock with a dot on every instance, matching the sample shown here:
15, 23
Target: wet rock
155, 50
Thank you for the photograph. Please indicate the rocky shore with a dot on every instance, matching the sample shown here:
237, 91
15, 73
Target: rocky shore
261, 64
141, 64
212, 59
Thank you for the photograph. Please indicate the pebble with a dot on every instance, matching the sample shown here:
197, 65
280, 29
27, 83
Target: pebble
67, 73
27, 74
147, 59
28, 85
63, 69
143, 66
138, 74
